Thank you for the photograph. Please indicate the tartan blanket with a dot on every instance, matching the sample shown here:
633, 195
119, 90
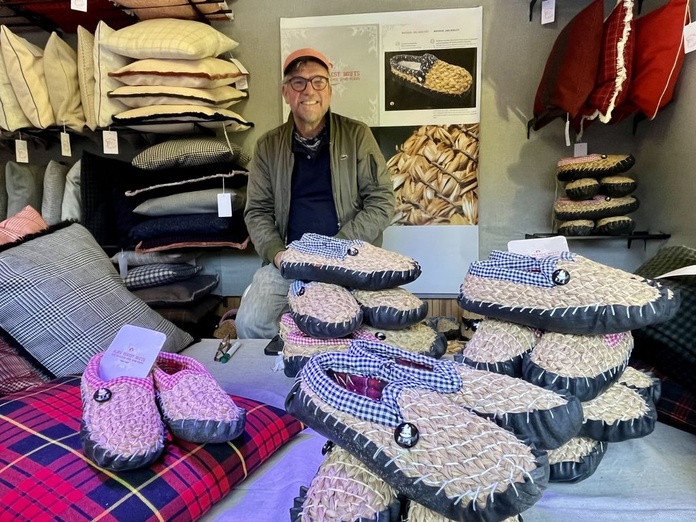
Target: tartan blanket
45, 476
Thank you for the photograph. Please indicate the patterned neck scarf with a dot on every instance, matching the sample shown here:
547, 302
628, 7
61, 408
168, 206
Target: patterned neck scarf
312, 145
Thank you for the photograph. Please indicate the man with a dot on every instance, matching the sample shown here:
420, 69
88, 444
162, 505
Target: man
318, 172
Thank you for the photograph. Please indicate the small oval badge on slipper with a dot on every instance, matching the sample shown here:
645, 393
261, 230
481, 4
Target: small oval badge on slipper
406, 435
102, 395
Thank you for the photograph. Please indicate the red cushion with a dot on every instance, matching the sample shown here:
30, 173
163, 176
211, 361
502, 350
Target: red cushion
571, 68
16, 373
657, 59
44, 475
615, 67
26, 221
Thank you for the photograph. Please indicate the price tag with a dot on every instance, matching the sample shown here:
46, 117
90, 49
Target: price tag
122, 265
239, 65
580, 149
538, 246
78, 5
110, 142
65, 148
21, 152
241, 83
548, 11
690, 37
132, 353
224, 204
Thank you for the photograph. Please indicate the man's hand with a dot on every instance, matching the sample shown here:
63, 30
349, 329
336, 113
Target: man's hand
278, 257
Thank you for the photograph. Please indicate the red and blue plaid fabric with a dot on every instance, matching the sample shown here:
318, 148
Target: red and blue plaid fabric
45, 476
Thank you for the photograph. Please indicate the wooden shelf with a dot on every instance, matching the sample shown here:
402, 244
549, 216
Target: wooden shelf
629, 238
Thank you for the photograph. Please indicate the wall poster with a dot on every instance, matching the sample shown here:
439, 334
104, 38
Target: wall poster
415, 78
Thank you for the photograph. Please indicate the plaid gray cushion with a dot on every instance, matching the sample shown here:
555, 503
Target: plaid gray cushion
190, 153
159, 274
63, 301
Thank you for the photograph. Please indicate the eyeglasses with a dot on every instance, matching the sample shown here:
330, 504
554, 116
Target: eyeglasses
226, 350
299, 84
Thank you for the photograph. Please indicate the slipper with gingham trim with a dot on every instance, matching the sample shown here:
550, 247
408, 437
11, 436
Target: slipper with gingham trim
546, 418
413, 436
121, 427
564, 292
298, 347
351, 263
345, 490
193, 405
593, 166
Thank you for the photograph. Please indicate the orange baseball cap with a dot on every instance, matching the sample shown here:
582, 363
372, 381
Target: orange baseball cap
306, 52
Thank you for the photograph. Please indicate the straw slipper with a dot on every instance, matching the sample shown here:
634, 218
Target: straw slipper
391, 308
324, 310
564, 292
121, 428
416, 512
576, 460
617, 414
593, 166
430, 75
499, 346
193, 405
349, 263
576, 227
583, 188
299, 347
617, 186
585, 365
417, 338
546, 418
345, 490
413, 436
649, 386
597, 207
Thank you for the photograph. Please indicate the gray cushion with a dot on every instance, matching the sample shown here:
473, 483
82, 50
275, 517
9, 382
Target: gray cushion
159, 274
189, 153
194, 202
71, 205
63, 301
179, 293
24, 186
53, 191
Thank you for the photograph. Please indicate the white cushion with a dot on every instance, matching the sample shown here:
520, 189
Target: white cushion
104, 62
85, 74
205, 116
25, 68
135, 96
71, 207
53, 192
169, 38
63, 84
206, 73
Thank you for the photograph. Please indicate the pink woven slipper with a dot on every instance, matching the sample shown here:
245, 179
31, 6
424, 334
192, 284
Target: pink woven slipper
193, 404
121, 428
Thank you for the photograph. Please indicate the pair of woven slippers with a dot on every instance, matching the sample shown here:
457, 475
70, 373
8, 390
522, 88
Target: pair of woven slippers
430, 75
426, 428
123, 421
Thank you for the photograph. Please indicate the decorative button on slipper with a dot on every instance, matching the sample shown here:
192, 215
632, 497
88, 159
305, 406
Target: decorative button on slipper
430, 75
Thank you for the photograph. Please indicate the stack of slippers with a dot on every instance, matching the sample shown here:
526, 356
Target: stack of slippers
430, 439
563, 322
597, 197
348, 289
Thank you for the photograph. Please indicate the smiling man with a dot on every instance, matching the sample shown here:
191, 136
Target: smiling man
318, 172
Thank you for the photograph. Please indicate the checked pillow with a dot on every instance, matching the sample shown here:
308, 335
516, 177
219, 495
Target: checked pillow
62, 300
43, 470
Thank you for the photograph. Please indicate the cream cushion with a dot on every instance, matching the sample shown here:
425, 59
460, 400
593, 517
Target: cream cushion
12, 116
169, 38
206, 73
63, 84
104, 62
25, 67
135, 96
85, 74
204, 116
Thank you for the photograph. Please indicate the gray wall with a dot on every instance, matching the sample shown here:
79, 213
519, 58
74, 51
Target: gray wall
517, 184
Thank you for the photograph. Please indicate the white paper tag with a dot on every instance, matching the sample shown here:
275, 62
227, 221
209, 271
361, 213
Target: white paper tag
110, 142
224, 204
65, 149
539, 246
684, 271
21, 151
548, 11
241, 83
690, 37
132, 353
239, 65
78, 5
580, 149
122, 265
567, 131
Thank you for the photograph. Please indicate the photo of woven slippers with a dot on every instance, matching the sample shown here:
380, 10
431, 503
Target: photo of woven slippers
430, 75
456, 463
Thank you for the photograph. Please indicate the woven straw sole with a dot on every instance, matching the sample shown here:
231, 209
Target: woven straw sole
391, 309
617, 186
417, 338
345, 489
593, 166
373, 268
442, 78
325, 310
597, 299
576, 460
583, 188
458, 464
598, 207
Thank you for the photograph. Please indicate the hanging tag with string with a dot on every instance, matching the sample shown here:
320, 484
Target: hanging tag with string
21, 150
224, 200
65, 149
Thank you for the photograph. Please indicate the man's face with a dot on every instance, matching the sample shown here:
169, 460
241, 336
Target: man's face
309, 106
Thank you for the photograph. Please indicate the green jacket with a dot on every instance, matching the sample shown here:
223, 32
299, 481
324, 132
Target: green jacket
362, 188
